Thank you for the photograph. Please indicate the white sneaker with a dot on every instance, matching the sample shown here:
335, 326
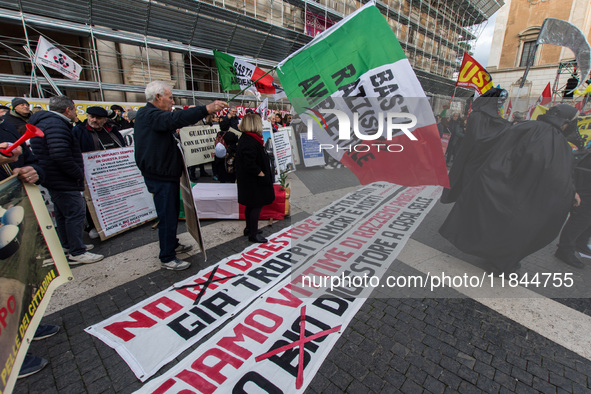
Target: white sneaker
328, 167
175, 265
88, 247
93, 234
86, 258
183, 248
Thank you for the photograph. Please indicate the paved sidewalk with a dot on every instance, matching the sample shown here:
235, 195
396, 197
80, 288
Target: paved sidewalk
409, 345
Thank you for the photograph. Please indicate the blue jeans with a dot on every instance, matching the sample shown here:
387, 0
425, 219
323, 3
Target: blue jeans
70, 211
168, 204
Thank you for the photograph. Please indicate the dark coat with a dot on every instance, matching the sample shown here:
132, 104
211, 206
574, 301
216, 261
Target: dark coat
156, 152
251, 159
232, 122
88, 139
485, 127
18, 121
8, 133
58, 152
518, 200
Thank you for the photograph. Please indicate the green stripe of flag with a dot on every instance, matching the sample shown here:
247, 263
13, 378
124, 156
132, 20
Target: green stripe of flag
363, 40
225, 65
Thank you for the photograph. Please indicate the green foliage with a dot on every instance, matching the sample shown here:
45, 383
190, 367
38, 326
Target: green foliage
283, 180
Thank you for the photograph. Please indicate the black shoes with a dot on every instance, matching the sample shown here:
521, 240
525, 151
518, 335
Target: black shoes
246, 231
569, 258
258, 239
32, 365
45, 331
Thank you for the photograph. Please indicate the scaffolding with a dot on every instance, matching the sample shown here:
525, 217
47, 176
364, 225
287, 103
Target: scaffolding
123, 49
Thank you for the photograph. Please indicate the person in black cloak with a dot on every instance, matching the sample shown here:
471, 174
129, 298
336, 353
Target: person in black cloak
577, 230
485, 126
455, 127
518, 200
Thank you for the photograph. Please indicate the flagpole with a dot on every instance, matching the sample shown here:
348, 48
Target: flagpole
452, 97
30, 55
261, 77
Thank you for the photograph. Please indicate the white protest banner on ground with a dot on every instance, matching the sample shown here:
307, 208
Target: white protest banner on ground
282, 150
263, 347
171, 321
198, 144
49, 55
311, 152
115, 191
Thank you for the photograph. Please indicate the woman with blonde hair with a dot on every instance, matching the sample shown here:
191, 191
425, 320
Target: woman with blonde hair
253, 174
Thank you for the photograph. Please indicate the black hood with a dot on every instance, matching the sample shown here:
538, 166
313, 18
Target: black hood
488, 102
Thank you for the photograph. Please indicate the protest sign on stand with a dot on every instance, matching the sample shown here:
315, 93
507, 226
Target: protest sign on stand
282, 150
311, 152
198, 143
115, 192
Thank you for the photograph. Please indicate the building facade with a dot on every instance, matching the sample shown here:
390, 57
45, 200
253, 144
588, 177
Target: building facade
516, 30
124, 45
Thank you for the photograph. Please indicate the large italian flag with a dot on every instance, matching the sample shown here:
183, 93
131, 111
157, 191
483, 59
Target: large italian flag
359, 68
238, 74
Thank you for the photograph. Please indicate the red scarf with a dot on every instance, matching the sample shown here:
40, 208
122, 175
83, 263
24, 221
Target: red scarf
257, 137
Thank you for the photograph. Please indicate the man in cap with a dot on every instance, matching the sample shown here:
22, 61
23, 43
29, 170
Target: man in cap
95, 134
517, 201
118, 119
19, 114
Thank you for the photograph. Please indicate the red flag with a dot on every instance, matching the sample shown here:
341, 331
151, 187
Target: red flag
544, 99
509, 110
546, 96
473, 75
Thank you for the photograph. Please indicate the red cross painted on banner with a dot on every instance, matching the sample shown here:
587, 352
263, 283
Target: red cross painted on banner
300, 342
205, 284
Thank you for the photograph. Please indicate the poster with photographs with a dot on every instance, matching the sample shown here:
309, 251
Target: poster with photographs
32, 265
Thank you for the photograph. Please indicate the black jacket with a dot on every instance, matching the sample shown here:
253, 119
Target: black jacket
8, 133
156, 152
58, 152
251, 159
89, 140
18, 121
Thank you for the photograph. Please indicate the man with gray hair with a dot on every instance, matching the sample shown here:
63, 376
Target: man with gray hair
59, 155
161, 163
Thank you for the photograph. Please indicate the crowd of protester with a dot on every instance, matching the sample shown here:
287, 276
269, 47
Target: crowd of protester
495, 165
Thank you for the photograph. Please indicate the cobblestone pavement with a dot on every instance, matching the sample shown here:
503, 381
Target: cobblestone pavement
409, 345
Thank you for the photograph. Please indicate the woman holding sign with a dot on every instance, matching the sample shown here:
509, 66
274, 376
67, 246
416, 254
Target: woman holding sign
253, 174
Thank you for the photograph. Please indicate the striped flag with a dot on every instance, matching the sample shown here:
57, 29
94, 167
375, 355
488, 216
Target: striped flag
345, 77
238, 74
